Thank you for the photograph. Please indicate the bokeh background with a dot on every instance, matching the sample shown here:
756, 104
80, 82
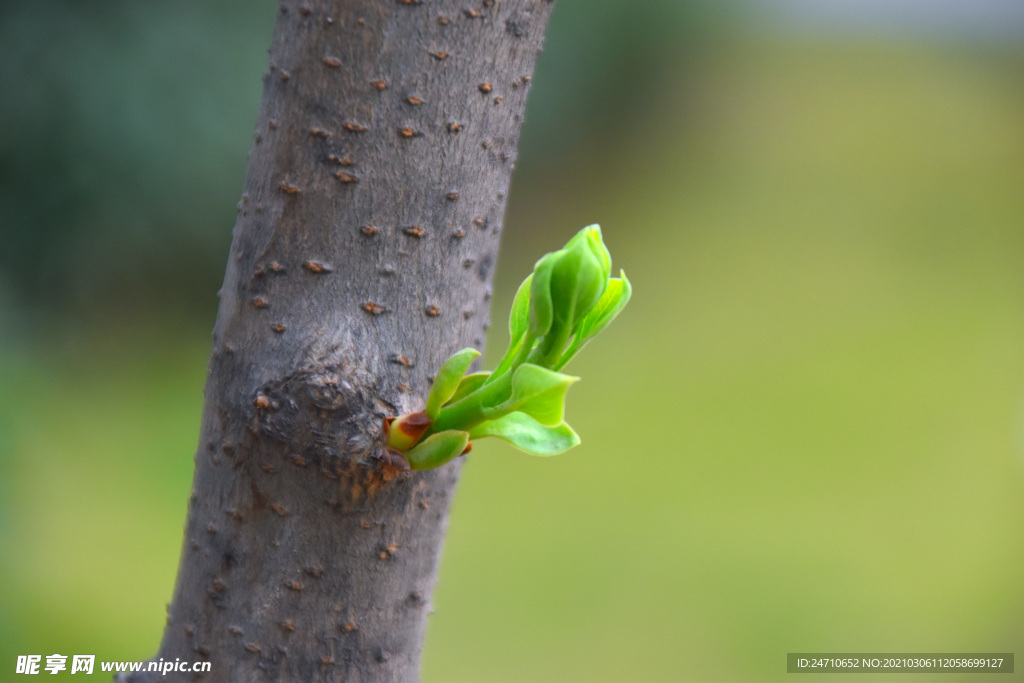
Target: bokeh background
806, 432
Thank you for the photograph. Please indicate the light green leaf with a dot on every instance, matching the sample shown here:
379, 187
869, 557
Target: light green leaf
468, 385
519, 316
437, 449
536, 391
447, 380
525, 433
518, 327
611, 303
541, 308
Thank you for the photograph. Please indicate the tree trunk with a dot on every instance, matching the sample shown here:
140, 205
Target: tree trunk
362, 257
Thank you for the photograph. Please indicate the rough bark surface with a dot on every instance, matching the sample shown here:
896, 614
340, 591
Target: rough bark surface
362, 257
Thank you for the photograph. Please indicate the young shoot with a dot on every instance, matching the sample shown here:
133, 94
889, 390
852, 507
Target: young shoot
563, 304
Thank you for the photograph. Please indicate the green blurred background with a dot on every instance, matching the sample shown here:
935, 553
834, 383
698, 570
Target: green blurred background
806, 432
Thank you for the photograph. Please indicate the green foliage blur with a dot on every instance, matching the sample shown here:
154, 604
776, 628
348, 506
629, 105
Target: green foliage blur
806, 432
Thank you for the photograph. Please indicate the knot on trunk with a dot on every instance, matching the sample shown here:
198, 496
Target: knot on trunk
329, 422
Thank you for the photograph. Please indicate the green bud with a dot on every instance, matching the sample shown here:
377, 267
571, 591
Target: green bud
560, 307
592, 235
579, 278
405, 431
575, 278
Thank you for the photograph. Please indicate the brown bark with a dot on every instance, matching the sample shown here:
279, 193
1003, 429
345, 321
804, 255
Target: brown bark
362, 257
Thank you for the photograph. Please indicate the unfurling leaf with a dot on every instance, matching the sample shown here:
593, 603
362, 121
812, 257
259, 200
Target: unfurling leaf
447, 380
437, 449
518, 326
538, 392
525, 433
541, 307
611, 303
519, 316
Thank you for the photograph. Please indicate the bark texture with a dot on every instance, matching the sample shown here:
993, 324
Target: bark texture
362, 257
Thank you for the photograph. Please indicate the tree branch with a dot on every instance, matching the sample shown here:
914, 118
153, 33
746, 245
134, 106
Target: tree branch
362, 257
